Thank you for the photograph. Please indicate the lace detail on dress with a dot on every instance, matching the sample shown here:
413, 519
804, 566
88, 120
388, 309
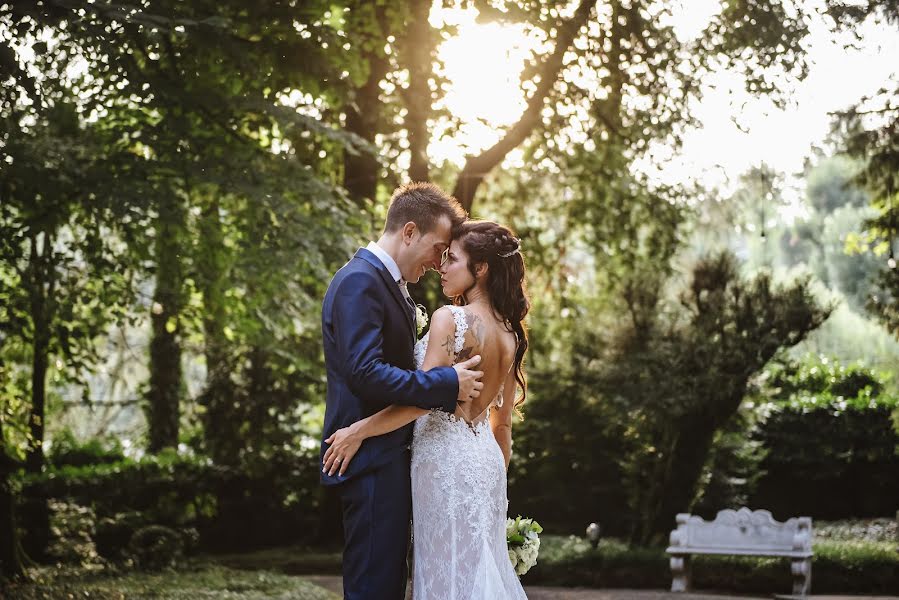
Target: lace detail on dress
461, 327
459, 504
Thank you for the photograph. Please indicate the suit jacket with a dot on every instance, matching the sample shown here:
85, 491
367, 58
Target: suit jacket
369, 334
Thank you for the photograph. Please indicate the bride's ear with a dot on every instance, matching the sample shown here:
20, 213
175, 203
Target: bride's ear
481, 270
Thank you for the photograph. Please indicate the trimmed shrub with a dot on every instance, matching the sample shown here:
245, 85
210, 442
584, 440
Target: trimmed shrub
837, 568
277, 503
829, 427
156, 547
67, 451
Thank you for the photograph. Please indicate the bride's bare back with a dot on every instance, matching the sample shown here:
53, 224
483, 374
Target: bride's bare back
491, 338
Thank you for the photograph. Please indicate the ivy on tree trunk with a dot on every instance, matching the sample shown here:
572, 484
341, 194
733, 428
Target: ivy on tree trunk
163, 398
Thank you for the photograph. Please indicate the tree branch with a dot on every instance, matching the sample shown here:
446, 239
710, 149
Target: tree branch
873, 111
477, 167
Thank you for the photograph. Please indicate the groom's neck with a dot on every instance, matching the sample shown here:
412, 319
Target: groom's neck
391, 245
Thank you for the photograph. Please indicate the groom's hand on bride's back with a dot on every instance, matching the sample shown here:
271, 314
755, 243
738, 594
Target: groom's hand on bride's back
469, 381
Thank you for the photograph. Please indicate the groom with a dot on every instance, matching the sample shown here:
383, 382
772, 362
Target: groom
369, 330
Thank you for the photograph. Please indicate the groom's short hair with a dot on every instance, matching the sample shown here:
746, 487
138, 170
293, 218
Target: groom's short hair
424, 204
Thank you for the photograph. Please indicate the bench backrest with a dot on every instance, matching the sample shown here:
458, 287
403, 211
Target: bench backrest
743, 530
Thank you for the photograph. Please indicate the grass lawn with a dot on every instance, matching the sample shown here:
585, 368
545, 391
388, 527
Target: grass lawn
199, 581
865, 563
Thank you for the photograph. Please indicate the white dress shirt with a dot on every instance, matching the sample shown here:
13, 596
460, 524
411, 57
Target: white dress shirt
386, 260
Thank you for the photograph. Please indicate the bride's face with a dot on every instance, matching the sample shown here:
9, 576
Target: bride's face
454, 274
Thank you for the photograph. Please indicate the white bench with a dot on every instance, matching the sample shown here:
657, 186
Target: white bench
746, 533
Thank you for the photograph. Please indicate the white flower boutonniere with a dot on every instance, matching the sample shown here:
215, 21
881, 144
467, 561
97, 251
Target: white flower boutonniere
421, 318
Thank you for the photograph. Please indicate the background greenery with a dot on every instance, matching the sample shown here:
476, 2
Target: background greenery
179, 180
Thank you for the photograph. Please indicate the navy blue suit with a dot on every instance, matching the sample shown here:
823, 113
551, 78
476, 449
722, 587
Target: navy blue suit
368, 334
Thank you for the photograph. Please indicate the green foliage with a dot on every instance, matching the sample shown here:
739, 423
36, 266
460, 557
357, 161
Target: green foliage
227, 507
67, 450
826, 238
884, 302
870, 135
817, 382
839, 568
662, 440
566, 408
830, 185
828, 426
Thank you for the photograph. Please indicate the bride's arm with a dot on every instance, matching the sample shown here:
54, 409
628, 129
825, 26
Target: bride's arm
344, 443
501, 418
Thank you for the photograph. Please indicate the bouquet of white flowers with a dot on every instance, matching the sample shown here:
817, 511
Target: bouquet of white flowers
523, 543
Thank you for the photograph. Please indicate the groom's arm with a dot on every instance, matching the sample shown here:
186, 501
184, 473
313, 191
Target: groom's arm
358, 327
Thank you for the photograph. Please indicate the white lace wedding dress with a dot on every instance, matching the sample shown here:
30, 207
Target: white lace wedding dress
459, 504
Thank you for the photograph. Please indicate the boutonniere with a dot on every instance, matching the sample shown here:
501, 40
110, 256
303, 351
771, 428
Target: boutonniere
421, 318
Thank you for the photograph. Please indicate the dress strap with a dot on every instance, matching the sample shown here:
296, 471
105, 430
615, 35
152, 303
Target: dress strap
461, 327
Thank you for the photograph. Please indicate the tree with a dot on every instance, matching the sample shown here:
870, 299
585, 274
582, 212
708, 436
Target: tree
871, 133
81, 194
201, 95
66, 280
615, 64
726, 329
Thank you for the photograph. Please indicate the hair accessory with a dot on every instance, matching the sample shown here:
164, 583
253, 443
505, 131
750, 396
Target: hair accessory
513, 252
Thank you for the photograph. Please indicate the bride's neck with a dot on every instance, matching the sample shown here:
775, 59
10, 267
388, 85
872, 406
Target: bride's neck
478, 296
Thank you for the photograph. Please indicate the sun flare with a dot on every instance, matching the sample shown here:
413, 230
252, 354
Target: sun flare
483, 65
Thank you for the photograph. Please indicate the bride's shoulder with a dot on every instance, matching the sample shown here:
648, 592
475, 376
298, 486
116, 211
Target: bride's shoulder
444, 318
449, 318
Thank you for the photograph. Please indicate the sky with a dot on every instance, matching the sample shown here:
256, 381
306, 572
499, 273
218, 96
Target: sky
717, 152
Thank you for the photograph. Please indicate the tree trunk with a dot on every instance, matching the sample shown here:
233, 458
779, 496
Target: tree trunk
363, 117
163, 406
12, 558
42, 285
678, 487
418, 48
218, 428
36, 513
361, 170
260, 392
34, 459
478, 167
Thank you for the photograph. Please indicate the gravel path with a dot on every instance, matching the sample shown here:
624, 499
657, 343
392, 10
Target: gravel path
332, 583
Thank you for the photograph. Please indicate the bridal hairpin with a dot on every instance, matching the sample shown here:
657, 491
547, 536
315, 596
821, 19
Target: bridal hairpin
513, 252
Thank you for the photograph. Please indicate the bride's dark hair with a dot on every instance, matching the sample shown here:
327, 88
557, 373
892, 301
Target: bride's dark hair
495, 245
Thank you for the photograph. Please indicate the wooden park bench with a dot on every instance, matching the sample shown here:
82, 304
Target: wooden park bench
745, 533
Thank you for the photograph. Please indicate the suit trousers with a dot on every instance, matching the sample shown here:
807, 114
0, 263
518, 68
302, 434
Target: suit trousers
377, 511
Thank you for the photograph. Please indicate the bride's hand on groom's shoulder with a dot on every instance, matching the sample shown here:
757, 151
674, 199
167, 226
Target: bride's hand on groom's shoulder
344, 445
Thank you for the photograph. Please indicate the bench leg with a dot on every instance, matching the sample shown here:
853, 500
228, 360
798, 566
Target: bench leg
802, 576
681, 574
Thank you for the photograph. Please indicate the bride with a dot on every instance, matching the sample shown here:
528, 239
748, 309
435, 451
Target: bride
459, 461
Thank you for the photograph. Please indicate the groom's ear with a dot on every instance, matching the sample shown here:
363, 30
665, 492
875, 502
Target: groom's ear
409, 231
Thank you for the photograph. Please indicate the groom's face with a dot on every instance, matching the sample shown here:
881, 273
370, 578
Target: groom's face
423, 251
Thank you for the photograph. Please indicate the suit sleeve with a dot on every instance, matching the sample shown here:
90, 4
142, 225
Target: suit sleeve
358, 320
